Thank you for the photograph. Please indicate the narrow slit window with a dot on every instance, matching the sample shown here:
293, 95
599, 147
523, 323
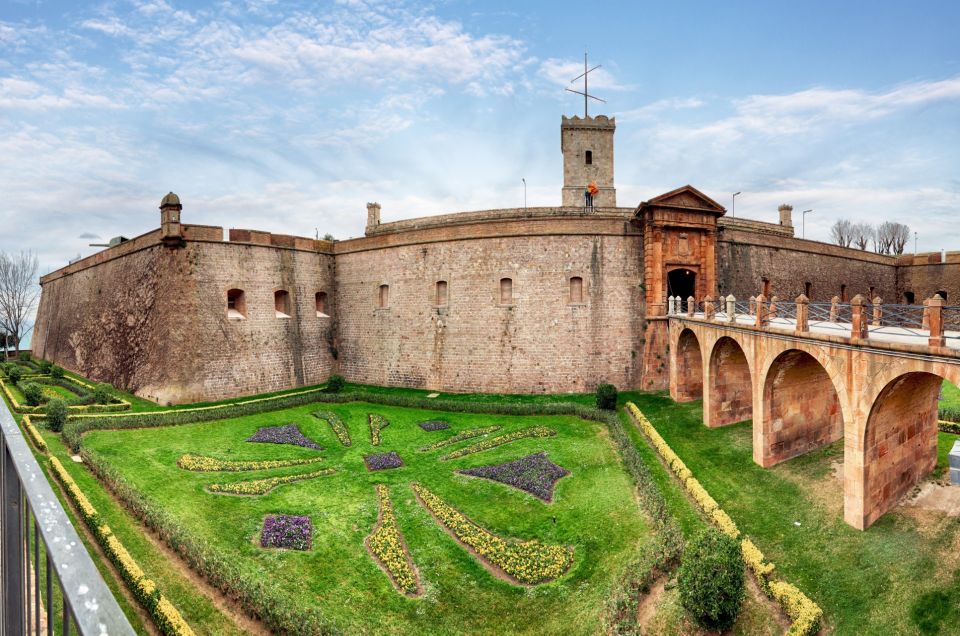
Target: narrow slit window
909, 298
871, 295
236, 304
441, 296
576, 290
281, 303
942, 294
506, 291
808, 290
588, 158
843, 293
321, 300
383, 296
766, 288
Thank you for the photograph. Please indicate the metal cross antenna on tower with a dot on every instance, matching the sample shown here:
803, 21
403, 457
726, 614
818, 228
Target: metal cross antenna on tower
586, 94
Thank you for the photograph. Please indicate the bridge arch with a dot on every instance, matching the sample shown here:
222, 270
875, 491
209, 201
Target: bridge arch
801, 408
689, 368
729, 384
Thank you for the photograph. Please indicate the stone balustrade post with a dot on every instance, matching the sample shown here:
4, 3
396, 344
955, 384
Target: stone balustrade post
671, 308
773, 306
731, 308
877, 311
860, 329
936, 322
761, 311
926, 314
753, 305
708, 309
833, 308
691, 306
803, 314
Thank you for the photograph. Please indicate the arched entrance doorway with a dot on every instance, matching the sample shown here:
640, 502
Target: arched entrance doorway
683, 283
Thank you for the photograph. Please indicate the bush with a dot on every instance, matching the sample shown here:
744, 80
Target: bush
32, 393
56, 414
335, 383
102, 393
44, 366
607, 397
25, 356
14, 372
56, 372
711, 579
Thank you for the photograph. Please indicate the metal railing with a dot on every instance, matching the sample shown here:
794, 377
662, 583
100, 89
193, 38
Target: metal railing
48, 581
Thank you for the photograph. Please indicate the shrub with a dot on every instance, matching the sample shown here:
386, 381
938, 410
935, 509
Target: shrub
25, 356
335, 383
56, 414
56, 372
711, 579
607, 397
14, 372
44, 366
32, 393
102, 394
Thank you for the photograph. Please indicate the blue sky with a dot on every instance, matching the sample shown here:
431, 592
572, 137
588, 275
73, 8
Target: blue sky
290, 116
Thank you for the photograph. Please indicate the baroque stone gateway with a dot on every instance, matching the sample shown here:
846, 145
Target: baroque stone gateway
524, 300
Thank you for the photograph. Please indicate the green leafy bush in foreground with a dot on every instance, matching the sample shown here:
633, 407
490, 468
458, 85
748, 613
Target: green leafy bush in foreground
711, 579
56, 414
32, 393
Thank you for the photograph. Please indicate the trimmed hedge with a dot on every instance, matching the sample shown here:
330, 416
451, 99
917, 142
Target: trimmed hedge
606, 397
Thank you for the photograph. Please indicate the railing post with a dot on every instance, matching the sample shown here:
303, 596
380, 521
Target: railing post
926, 315
753, 306
877, 311
11, 526
669, 305
833, 308
761, 311
691, 306
731, 308
773, 306
803, 322
859, 328
936, 322
708, 310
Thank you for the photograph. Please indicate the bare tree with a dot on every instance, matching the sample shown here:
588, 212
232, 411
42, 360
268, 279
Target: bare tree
881, 238
841, 233
18, 294
862, 233
899, 236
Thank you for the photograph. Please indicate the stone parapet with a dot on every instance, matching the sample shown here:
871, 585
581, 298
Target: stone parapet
501, 214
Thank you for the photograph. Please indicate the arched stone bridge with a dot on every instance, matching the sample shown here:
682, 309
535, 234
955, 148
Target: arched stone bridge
807, 383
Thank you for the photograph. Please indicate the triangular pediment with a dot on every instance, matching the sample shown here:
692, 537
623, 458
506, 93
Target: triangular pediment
685, 197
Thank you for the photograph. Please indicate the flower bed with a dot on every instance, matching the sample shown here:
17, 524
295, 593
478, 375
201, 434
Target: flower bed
286, 434
533, 474
527, 562
459, 437
386, 544
434, 425
382, 461
377, 423
287, 531
339, 428
256, 487
202, 463
487, 444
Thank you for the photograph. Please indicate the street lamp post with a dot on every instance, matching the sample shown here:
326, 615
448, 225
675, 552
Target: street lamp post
914, 243
733, 206
524, 179
803, 220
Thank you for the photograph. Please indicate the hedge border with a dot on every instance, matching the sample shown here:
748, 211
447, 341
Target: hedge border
114, 407
805, 615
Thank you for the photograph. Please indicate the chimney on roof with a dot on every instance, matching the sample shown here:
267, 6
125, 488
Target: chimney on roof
373, 215
786, 214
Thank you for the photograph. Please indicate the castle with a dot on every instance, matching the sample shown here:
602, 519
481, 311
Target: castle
522, 300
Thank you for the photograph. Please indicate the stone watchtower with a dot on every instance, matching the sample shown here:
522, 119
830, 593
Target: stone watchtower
171, 232
587, 147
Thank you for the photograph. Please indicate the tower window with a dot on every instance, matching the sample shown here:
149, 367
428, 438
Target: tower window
281, 303
588, 158
506, 291
236, 304
576, 290
383, 297
441, 293
321, 300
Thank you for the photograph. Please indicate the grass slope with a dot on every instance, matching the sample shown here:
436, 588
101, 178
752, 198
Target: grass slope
593, 510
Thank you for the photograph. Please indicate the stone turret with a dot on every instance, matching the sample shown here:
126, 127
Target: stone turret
786, 215
373, 215
587, 147
171, 232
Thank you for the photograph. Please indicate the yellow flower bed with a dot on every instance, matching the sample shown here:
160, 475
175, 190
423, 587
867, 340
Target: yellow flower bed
528, 562
34, 434
202, 463
386, 544
165, 615
263, 486
535, 431
804, 613
377, 423
339, 428
459, 437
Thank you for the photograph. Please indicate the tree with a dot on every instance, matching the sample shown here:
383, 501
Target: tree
841, 233
899, 236
862, 233
18, 294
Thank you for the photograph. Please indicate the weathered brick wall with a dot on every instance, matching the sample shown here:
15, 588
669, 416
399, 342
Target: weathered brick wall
540, 343
731, 386
926, 275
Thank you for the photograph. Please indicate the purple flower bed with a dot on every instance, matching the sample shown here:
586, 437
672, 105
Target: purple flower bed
434, 425
287, 531
382, 461
534, 474
286, 434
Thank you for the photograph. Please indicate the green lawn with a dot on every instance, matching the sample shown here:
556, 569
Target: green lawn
872, 582
594, 510
951, 396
